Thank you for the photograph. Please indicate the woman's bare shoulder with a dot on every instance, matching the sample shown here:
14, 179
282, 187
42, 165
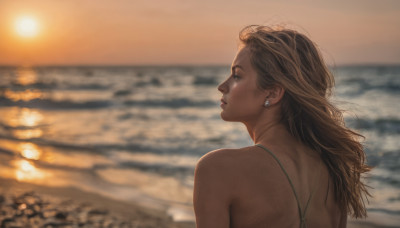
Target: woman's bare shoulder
215, 157
223, 158
218, 168
223, 154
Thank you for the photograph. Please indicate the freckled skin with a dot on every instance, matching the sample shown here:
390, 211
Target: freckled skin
246, 188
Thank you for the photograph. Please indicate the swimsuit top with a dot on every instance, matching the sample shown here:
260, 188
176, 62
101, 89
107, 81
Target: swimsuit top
302, 214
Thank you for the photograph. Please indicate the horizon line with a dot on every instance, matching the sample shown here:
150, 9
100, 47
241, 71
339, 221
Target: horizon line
176, 65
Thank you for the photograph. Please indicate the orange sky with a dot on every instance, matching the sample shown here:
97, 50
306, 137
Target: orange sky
134, 32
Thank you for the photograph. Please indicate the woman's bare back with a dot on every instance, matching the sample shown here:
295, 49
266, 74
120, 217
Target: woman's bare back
260, 194
265, 198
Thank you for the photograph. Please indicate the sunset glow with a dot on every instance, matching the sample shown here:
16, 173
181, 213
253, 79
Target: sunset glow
45, 32
26, 26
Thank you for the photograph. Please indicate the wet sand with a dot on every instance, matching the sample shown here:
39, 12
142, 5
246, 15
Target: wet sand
25, 205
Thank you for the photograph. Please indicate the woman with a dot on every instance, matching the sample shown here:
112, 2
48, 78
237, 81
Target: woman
304, 169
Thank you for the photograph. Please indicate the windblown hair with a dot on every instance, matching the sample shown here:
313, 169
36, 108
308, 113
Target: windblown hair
288, 58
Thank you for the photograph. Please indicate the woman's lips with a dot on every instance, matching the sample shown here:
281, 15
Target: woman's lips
223, 103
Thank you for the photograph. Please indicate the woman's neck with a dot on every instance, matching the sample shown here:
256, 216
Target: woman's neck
267, 131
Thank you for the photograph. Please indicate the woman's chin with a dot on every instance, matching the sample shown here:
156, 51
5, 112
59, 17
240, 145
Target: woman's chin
226, 117
223, 115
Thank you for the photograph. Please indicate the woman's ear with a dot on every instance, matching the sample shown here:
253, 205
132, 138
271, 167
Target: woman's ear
275, 94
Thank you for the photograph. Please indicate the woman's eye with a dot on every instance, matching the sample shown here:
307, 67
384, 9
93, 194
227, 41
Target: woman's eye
235, 76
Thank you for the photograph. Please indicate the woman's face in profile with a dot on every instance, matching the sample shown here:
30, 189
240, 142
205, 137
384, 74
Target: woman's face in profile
242, 100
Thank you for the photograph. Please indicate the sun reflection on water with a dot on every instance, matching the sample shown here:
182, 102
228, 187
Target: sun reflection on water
25, 171
25, 122
25, 95
28, 133
26, 76
24, 117
30, 118
30, 151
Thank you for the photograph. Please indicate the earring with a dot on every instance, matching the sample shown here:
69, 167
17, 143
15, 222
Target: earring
266, 104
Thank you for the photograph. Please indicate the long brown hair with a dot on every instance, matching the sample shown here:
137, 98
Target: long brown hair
290, 59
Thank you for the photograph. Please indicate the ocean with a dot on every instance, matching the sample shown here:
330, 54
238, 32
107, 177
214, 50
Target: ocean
135, 133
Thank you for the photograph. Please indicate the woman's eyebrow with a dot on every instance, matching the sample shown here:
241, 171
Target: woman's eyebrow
237, 66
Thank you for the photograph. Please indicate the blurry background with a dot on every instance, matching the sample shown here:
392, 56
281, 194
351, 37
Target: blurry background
119, 97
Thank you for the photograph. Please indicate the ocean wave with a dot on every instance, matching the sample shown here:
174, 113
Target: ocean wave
388, 160
86, 87
164, 169
122, 92
369, 69
35, 85
199, 80
159, 168
152, 82
53, 85
156, 149
381, 125
99, 148
173, 103
395, 182
7, 152
50, 104
19, 127
59, 145
127, 116
361, 85
384, 210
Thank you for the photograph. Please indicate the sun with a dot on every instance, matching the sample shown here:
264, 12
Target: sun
26, 26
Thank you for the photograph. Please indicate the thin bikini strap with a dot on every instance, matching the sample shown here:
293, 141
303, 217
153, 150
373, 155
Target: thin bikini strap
312, 194
301, 214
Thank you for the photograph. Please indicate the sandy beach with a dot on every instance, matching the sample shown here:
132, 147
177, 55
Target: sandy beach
29, 205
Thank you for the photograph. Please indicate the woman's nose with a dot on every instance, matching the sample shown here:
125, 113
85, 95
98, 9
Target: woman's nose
223, 88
